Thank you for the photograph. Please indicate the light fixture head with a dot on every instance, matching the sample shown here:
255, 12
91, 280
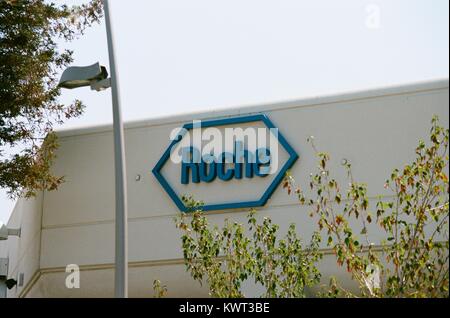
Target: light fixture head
80, 76
5, 232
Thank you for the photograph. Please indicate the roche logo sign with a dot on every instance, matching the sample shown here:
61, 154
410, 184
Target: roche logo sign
227, 163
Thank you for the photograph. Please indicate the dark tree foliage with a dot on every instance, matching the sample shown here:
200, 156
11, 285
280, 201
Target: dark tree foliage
30, 62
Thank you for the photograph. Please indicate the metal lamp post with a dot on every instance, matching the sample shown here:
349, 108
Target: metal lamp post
121, 255
96, 76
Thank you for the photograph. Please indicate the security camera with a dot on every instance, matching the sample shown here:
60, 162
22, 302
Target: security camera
5, 232
10, 283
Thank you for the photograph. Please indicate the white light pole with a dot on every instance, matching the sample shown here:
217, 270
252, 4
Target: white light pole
121, 255
96, 77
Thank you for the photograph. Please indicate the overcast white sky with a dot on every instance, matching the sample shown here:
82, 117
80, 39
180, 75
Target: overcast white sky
178, 56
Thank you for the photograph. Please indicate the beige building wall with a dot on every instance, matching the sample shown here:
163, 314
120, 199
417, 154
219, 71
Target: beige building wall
376, 130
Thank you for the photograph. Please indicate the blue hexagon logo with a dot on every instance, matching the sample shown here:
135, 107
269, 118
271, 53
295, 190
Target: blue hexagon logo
262, 199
